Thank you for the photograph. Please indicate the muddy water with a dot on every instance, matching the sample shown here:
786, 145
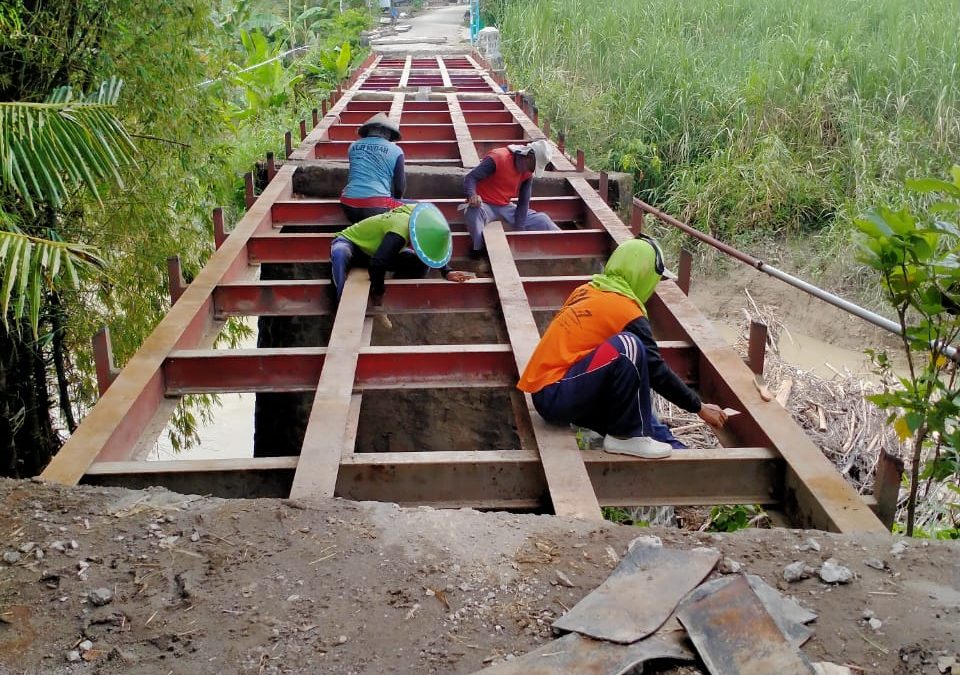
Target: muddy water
811, 354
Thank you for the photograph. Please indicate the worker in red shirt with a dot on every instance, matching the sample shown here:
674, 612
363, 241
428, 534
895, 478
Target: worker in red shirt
505, 174
597, 362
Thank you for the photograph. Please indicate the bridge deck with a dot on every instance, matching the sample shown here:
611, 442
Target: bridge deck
767, 459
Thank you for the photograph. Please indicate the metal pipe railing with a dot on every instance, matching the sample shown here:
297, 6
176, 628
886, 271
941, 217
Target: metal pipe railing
756, 263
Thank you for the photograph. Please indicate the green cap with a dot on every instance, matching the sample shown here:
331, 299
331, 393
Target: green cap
430, 235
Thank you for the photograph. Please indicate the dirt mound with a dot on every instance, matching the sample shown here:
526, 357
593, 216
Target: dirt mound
156, 582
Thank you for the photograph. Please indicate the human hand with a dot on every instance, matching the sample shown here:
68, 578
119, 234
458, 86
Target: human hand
474, 201
459, 277
713, 415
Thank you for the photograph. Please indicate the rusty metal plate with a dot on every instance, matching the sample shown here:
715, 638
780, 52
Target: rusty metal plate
574, 653
640, 594
735, 635
787, 613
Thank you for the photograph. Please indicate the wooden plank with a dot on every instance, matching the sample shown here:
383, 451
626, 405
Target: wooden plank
115, 425
356, 401
326, 433
443, 72
405, 75
468, 151
570, 488
396, 108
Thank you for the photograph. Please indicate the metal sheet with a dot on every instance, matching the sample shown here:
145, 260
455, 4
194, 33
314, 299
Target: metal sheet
640, 594
576, 654
735, 635
789, 616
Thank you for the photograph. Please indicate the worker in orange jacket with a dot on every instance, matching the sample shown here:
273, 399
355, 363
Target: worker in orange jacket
597, 362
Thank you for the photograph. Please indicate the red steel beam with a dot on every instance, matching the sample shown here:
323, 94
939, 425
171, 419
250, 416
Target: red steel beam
411, 149
298, 369
485, 132
563, 209
273, 370
410, 132
511, 479
312, 297
488, 116
285, 248
426, 116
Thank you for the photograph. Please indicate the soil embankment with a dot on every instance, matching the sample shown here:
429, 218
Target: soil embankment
198, 585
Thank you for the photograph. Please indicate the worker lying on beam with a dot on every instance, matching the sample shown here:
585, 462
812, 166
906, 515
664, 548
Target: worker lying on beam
503, 175
409, 241
596, 363
377, 178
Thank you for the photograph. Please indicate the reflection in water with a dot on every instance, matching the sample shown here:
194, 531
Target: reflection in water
229, 434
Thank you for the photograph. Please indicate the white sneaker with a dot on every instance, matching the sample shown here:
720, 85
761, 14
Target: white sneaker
638, 446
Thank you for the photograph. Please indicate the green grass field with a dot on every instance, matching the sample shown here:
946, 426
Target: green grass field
748, 117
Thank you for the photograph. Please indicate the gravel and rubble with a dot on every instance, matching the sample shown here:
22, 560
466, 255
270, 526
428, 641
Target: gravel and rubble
281, 586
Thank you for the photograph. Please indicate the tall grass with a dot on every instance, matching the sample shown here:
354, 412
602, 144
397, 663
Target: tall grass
780, 116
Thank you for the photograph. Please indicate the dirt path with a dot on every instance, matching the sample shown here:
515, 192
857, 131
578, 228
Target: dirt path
195, 585
444, 23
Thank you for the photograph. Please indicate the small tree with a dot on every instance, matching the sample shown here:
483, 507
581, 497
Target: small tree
917, 254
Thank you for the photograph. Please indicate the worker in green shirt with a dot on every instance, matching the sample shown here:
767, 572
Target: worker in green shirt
409, 241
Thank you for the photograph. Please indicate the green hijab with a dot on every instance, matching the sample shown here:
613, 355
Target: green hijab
630, 271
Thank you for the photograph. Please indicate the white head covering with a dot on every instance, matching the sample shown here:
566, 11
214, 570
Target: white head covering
541, 150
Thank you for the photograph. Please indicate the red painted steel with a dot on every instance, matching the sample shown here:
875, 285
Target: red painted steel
312, 297
288, 248
279, 370
273, 231
411, 149
328, 211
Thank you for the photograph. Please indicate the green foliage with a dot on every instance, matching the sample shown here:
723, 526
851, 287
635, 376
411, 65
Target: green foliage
264, 80
30, 267
736, 517
915, 250
48, 150
775, 116
188, 162
621, 516
944, 534
334, 64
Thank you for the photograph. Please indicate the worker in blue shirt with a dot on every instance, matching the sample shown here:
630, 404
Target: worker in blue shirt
377, 179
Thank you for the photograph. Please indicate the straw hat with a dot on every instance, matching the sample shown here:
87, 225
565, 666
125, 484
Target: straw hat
380, 120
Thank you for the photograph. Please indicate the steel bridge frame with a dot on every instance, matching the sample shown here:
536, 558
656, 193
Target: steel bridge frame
767, 459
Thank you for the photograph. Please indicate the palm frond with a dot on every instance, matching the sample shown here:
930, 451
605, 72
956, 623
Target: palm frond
48, 149
31, 266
